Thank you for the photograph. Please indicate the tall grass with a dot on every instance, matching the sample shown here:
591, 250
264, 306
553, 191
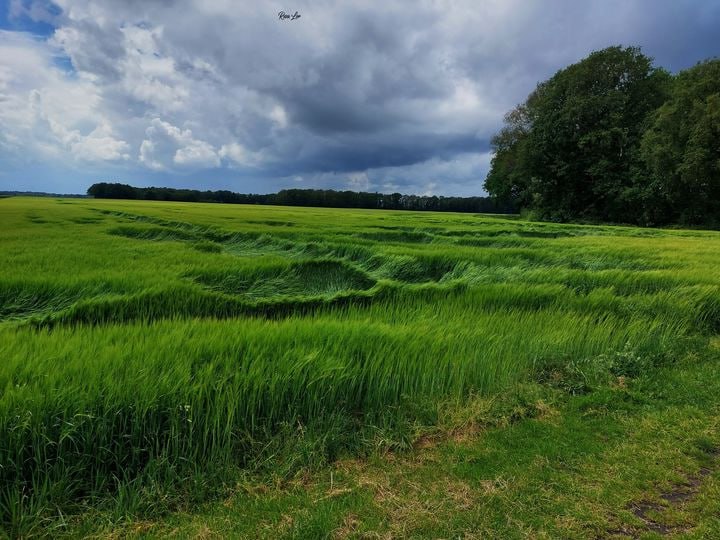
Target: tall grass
135, 362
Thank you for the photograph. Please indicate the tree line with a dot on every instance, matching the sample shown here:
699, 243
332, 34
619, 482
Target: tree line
307, 197
614, 138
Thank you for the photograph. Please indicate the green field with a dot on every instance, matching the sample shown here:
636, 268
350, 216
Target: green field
157, 358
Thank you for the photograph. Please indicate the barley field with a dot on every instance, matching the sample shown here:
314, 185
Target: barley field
151, 352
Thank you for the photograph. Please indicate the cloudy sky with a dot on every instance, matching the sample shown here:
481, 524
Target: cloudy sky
368, 95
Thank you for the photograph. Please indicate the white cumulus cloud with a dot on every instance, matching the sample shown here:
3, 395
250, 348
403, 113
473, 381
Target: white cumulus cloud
166, 146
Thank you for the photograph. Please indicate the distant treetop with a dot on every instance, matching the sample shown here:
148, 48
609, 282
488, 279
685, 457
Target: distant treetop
307, 197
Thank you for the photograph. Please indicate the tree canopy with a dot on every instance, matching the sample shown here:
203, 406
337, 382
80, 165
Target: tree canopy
614, 138
306, 197
681, 148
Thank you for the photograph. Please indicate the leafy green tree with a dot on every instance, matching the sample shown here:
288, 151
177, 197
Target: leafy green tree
681, 150
508, 179
105, 190
572, 150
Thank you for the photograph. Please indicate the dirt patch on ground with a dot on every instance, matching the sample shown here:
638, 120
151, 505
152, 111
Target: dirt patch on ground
653, 512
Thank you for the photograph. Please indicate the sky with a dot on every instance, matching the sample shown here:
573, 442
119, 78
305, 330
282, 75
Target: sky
370, 95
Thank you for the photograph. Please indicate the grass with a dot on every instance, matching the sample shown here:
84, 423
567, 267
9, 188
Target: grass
620, 462
158, 357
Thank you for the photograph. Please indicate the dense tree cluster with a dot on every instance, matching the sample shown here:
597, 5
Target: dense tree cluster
5, 194
614, 138
307, 197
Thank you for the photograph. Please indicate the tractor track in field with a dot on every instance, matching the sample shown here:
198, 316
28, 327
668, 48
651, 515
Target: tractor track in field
652, 512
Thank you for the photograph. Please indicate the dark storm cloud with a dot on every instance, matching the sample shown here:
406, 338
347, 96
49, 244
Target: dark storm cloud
387, 86
375, 154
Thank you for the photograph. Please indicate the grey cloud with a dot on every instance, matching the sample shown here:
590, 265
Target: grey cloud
93, 49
